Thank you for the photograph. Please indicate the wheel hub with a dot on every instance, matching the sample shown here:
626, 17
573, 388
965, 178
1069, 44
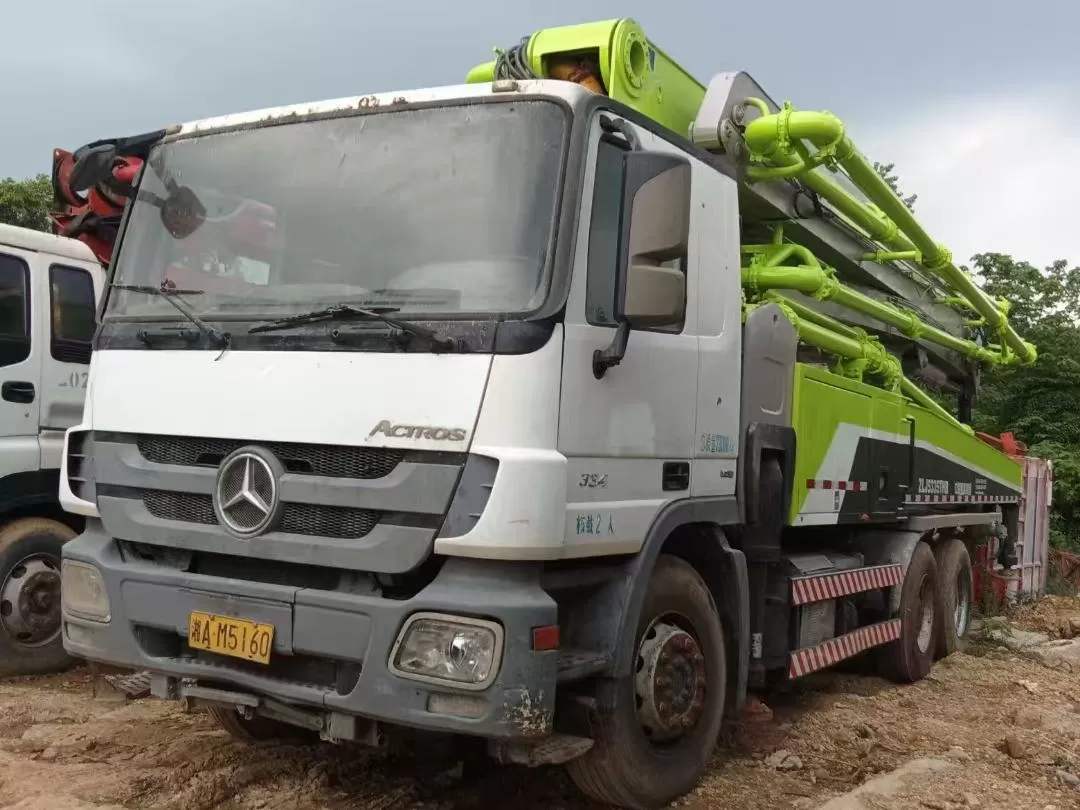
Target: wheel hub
30, 601
670, 681
926, 623
963, 603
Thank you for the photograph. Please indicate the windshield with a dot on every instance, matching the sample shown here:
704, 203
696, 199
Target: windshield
437, 211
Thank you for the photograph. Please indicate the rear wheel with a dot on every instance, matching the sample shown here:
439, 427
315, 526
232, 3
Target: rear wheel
657, 728
909, 658
954, 592
30, 638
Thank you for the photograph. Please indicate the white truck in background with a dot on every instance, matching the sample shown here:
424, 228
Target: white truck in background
49, 286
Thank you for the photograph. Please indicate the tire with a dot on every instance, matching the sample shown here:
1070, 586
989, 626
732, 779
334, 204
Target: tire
955, 589
909, 658
31, 642
256, 729
625, 767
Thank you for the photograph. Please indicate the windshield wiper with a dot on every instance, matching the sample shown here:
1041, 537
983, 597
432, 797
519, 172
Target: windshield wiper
343, 312
216, 339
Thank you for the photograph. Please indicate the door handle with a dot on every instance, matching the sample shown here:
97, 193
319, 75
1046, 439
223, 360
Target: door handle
676, 476
21, 392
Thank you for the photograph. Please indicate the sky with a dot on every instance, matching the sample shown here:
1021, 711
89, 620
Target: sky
977, 103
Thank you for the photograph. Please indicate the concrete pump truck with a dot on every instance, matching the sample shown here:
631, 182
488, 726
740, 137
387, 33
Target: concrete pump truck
558, 408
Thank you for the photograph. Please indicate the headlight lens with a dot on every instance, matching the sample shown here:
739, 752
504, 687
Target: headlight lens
450, 649
82, 591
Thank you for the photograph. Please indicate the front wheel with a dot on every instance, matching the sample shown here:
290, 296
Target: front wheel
30, 639
657, 728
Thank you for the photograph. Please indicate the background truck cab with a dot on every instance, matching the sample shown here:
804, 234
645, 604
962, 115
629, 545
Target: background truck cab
49, 286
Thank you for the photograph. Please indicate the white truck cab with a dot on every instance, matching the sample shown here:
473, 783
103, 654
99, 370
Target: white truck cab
49, 287
440, 409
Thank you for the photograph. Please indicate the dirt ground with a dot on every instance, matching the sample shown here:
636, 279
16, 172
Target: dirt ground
1004, 729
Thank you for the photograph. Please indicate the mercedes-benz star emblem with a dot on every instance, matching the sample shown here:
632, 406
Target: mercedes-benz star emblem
246, 496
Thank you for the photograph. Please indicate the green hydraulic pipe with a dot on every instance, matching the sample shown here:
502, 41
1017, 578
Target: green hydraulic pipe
767, 273
793, 160
777, 139
866, 217
868, 355
894, 256
805, 313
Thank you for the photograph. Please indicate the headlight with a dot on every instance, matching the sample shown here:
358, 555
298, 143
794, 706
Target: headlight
82, 591
448, 649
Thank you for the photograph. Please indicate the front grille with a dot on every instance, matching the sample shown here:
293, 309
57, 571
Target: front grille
331, 461
182, 506
340, 522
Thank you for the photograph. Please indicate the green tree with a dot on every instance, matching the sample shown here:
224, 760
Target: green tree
885, 170
1039, 403
26, 203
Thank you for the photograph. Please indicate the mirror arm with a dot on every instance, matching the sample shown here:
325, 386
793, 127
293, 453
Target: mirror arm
604, 359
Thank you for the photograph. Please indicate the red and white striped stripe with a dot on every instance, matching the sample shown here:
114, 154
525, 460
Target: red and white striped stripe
843, 486
962, 498
811, 659
805, 590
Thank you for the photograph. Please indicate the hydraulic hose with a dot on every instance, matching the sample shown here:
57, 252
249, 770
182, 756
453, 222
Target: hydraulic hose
843, 341
777, 139
811, 279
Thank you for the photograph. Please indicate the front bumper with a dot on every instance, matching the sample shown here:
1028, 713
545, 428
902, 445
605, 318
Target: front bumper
348, 635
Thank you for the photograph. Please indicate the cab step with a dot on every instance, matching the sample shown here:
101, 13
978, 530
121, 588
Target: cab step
554, 749
133, 686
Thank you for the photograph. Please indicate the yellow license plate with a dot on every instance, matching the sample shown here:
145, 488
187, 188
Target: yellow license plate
225, 635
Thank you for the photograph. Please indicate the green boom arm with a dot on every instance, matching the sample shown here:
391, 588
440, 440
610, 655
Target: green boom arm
616, 58
776, 142
768, 271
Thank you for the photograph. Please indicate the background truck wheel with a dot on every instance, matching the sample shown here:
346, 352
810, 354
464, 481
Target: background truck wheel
256, 729
955, 589
909, 658
657, 728
30, 639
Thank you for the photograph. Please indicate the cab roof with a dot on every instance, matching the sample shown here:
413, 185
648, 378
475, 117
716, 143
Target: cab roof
559, 89
39, 242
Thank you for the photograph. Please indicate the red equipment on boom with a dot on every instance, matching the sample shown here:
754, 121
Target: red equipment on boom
92, 185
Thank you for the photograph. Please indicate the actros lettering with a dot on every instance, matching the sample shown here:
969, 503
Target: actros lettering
438, 434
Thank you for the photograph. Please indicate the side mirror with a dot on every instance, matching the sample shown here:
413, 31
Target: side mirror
182, 213
654, 229
92, 165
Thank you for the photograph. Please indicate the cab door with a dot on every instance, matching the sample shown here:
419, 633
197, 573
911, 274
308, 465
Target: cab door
20, 363
629, 436
70, 290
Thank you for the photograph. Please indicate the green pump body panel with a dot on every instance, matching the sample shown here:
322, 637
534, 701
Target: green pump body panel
870, 443
865, 453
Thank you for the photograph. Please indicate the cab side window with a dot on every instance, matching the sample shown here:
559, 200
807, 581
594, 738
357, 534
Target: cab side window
73, 313
604, 236
14, 310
